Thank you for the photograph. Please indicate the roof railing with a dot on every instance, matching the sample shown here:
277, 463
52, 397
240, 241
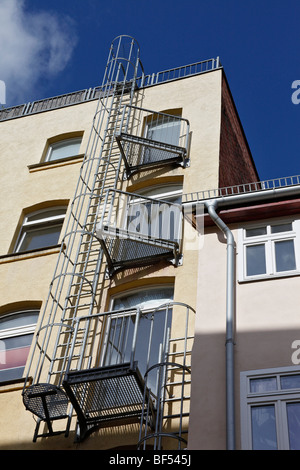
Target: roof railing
244, 188
90, 94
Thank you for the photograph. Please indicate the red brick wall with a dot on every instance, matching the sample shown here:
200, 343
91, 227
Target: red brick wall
236, 163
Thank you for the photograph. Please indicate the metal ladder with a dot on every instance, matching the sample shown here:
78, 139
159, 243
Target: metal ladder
173, 362
75, 288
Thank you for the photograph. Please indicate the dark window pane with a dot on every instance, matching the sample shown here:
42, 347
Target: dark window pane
293, 416
256, 260
290, 381
255, 232
18, 319
11, 374
266, 384
285, 256
40, 238
281, 228
263, 428
65, 149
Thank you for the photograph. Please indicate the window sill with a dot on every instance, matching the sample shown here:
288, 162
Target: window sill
13, 385
11, 257
269, 277
55, 163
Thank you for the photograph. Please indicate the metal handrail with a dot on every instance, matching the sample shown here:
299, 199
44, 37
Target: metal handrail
245, 188
54, 102
135, 311
177, 73
105, 218
90, 94
168, 118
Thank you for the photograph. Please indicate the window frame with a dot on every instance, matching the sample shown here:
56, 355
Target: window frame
44, 222
268, 240
17, 331
278, 398
163, 191
58, 143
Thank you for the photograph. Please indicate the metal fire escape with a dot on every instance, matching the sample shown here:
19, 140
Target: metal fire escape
67, 371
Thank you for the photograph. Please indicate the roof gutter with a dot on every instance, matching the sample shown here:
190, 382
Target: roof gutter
212, 205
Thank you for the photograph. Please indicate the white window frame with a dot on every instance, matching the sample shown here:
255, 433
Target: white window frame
41, 222
278, 398
53, 146
269, 241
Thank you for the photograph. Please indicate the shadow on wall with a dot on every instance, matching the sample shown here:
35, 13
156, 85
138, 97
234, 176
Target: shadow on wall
254, 350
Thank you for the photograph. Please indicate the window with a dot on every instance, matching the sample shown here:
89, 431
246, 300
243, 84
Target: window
63, 149
161, 128
41, 229
164, 129
168, 192
120, 329
16, 333
270, 409
164, 223
268, 250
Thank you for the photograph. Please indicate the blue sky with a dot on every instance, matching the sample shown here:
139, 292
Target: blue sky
50, 47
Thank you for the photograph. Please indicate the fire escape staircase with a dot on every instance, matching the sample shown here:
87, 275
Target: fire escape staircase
65, 373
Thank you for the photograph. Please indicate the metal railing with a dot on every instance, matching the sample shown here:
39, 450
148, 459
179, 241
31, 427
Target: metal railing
55, 102
180, 72
258, 186
150, 138
154, 125
131, 362
135, 229
90, 94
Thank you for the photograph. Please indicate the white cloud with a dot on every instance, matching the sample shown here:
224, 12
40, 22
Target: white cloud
33, 46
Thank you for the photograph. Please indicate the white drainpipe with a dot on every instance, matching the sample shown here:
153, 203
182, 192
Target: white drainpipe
230, 312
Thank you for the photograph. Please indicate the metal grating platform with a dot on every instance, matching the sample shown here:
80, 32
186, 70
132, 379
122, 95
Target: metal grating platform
46, 401
123, 253
141, 153
105, 396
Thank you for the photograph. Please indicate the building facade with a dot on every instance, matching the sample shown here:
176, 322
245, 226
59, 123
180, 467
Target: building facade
250, 265
119, 326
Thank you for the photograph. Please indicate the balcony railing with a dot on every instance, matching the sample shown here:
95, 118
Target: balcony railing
152, 139
136, 230
122, 372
